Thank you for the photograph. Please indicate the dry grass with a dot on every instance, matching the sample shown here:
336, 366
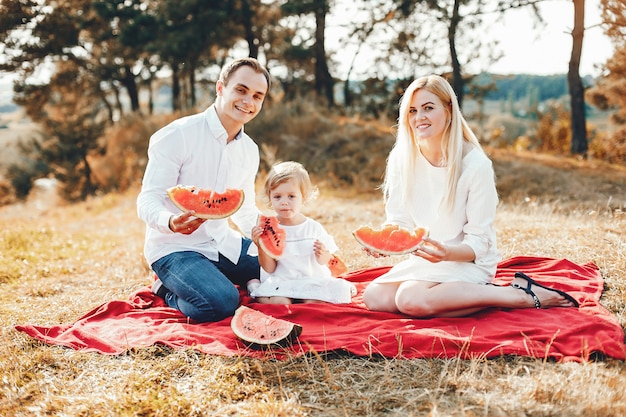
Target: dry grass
57, 264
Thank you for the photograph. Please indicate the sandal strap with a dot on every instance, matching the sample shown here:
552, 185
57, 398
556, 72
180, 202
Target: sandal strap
528, 291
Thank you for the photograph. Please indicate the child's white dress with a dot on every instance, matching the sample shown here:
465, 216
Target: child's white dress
298, 275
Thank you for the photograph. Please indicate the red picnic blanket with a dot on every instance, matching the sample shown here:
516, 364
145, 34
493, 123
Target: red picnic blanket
563, 334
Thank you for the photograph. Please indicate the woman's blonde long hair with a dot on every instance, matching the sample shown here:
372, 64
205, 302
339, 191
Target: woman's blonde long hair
406, 149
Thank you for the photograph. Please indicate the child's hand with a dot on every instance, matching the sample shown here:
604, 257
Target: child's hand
255, 234
321, 253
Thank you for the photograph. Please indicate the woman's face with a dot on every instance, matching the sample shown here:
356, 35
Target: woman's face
428, 116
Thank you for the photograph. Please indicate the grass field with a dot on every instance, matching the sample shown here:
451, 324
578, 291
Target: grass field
58, 262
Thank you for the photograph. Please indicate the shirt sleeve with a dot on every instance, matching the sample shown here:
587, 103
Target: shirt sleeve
162, 170
396, 206
482, 200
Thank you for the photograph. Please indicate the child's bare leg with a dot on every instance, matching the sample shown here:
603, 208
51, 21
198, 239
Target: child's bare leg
273, 300
311, 301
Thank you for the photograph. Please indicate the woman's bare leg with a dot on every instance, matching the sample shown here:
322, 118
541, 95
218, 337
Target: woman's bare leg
456, 299
381, 297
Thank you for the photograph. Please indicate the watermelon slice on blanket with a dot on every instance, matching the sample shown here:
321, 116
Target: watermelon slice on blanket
258, 330
207, 204
391, 239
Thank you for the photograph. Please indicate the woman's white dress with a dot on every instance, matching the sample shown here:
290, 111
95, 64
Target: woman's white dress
298, 275
471, 221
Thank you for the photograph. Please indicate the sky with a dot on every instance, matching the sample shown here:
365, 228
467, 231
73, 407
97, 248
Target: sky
543, 51
547, 50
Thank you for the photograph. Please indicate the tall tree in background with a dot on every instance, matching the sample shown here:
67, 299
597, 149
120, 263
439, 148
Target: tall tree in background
190, 34
319, 8
576, 89
461, 19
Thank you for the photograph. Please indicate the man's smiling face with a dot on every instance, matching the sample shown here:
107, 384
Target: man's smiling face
241, 99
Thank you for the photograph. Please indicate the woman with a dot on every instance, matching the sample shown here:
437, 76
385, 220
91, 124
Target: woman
439, 177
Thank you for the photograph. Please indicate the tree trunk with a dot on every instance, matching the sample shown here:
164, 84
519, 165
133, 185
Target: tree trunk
323, 80
131, 88
175, 88
192, 85
576, 89
253, 44
457, 78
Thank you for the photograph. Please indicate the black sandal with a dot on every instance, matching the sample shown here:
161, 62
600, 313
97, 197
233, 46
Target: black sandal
531, 282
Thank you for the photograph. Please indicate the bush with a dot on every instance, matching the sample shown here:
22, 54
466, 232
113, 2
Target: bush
607, 147
344, 151
125, 152
503, 130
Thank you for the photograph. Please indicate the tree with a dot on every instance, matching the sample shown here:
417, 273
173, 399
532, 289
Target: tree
189, 36
319, 8
458, 17
71, 122
576, 89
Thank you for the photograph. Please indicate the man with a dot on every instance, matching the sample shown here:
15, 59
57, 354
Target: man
198, 261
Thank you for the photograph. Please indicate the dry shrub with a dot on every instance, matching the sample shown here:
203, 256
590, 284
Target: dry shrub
503, 130
7, 193
344, 151
126, 144
554, 133
609, 147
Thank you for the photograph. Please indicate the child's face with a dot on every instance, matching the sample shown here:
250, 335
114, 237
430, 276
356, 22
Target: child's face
287, 201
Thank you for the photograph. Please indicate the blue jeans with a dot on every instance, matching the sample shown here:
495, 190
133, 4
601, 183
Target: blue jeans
202, 289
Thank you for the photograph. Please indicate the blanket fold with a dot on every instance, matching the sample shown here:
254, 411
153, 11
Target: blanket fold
563, 334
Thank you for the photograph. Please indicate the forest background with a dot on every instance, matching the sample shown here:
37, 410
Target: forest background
92, 76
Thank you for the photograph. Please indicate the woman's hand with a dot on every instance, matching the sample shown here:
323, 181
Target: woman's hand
185, 223
433, 251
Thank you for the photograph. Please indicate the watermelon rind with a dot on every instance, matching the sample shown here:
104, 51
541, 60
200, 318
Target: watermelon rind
259, 330
380, 248
265, 239
213, 214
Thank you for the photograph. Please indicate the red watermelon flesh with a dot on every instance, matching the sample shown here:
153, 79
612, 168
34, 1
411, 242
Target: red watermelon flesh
390, 239
259, 330
337, 266
206, 204
272, 240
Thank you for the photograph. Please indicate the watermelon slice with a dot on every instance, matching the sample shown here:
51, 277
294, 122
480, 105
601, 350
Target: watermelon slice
206, 204
272, 240
337, 266
390, 239
259, 330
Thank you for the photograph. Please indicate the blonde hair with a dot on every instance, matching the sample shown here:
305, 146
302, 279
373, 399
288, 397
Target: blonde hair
403, 156
287, 171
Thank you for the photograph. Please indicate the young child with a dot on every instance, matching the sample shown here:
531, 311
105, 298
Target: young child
301, 274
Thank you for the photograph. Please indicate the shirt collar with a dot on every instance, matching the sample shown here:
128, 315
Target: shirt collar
216, 127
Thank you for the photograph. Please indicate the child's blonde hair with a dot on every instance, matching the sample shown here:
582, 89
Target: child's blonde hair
287, 171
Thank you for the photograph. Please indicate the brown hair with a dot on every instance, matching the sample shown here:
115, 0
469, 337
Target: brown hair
229, 70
